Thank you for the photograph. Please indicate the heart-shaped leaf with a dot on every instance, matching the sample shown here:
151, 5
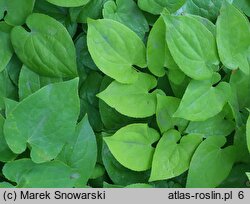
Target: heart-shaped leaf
115, 50
38, 48
173, 155
210, 164
45, 121
132, 146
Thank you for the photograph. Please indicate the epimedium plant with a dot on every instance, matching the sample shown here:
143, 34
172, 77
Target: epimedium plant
124, 93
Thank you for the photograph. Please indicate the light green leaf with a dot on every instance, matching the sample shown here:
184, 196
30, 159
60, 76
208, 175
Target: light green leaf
115, 50
173, 155
156, 6
127, 13
210, 164
5, 153
248, 133
209, 25
48, 52
202, 101
219, 126
206, 8
112, 120
233, 46
166, 107
80, 152
45, 121
67, 3
132, 146
248, 175
158, 54
6, 50
27, 174
17, 11
132, 100
192, 46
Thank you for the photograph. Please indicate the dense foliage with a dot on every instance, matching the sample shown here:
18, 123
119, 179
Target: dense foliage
124, 93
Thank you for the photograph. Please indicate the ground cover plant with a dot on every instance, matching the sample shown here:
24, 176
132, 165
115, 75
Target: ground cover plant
124, 93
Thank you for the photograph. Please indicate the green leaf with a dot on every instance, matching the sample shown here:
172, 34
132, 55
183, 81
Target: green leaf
240, 144
91, 10
13, 69
112, 120
248, 133
218, 126
233, 46
120, 174
139, 185
192, 46
80, 152
127, 13
28, 83
89, 101
157, 6
9, 105
27, 174
6, 50
209, 25
178, 81
66, 3
14, 170
166, 107
202, 101
82, 53
237, 177
210, 164
132, 146
158, 54
243, 5
7, 88
55, 175
5, 153
126, 97
17, 11
6, 185
119, 47
206, 8
173, 155
47, 52
98, 171
240, 83
45, 121
52, 10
